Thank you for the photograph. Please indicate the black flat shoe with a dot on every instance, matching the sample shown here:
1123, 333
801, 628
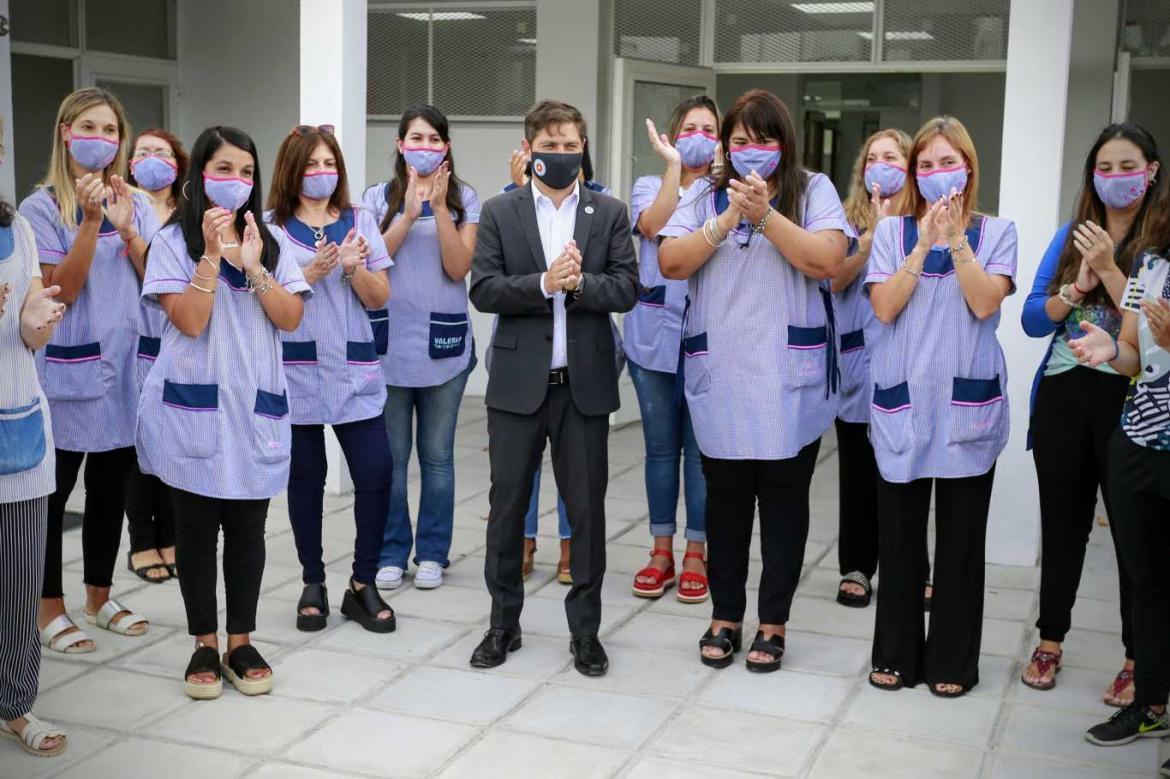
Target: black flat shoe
314, 596
852, 599
143, 572
896, 685
728, 640
589, 656
773, 647
363, 606
934, 690
494, 649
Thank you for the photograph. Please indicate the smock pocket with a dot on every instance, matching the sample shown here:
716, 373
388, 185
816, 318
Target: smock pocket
273, 433
696, 365
365, 372
654, 297
380, 326
448, 335
891, 425
301, 369
977, 410
74, 372
148, 349
806, 355
188, 419
22, 438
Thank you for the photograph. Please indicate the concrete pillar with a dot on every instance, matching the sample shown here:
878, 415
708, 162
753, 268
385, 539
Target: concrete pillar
571, 65
7, 176
1034, 120
333, 91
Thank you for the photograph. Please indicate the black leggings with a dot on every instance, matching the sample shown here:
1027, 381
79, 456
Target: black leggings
950, 655
1075, 415
733, 489
1139, 480
101, 527
150, 512
198, 520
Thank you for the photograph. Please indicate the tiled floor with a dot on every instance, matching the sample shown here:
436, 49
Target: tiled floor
352, 703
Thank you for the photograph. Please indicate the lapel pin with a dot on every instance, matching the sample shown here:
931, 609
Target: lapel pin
589, 209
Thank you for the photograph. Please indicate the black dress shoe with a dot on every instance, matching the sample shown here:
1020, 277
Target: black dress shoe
589, 656
494, 648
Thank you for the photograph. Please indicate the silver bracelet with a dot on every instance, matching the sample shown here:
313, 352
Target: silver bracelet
759, 228
710, 235
260, 282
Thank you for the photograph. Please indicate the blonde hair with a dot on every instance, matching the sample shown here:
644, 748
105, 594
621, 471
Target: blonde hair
957, 136
857, 209
59, 176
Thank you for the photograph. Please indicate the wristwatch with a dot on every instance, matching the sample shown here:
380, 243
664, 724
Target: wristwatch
576, 293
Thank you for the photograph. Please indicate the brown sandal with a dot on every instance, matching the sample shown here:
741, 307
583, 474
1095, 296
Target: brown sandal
1044, 662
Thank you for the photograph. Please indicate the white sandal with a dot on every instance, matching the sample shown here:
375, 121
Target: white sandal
34, 735
54, 637
126, 626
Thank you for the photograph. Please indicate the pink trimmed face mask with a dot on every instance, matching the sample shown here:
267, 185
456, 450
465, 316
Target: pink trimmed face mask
1121, 190
92, 152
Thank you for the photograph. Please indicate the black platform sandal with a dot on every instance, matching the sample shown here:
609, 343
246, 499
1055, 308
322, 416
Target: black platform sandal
773, 647
314, 596
363, 606
852, 599
730, 641
205, 660
897, 685
239, 662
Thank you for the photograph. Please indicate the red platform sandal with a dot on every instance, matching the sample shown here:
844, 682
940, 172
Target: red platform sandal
658, 581
697, 591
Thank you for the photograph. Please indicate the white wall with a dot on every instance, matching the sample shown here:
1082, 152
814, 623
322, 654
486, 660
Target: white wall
239, 65
7, 179
481, 159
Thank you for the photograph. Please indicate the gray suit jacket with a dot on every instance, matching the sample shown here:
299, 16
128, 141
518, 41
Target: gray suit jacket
505, 280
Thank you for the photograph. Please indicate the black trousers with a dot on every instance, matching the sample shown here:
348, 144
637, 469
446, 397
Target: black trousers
1075, 415
734, 487
950, 654
198, 520
150, 512
1139, 481
22, 559
101, 527
580, 458
857, 474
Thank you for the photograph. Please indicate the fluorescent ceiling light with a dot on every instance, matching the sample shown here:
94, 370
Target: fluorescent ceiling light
441, 16
528, 41
834, 8
914, 35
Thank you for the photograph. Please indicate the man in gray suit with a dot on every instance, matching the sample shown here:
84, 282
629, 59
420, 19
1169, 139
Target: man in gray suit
553, 259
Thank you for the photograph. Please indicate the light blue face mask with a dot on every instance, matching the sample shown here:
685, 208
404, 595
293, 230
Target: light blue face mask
319, 185
696, 149
229, 193
936, 184
889, 178
154, 173
755, 156
93, 152
424, 160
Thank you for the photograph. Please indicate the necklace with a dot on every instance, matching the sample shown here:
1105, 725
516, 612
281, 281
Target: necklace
318, 232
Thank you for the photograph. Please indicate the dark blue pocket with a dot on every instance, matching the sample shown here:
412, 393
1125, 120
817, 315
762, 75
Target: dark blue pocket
22, 438
807, 355
73, 372
448, 335
695, 346
360, 353
891, 429
148, 347
652, 296
696, 366
975, 392
380, 325
193, 435
977, 413
271, 405
191, 397
851, 342
299, 352
272, 432
891, 399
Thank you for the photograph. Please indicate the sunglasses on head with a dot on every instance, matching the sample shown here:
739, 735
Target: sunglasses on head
306, 129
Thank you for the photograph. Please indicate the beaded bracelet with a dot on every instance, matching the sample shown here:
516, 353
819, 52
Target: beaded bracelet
260, 282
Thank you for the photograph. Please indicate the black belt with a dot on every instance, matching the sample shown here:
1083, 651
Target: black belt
559, 376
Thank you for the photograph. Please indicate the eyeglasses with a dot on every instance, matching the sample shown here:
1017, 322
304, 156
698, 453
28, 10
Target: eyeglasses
306, 129
141, 154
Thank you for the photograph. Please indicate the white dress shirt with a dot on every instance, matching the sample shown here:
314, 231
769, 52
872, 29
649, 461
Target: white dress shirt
556, 227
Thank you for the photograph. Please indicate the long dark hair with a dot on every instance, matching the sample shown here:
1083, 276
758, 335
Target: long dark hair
1089, 206
193, 202
291, 159
437, 119
764, 115
181, 159
1155, 233
681, 110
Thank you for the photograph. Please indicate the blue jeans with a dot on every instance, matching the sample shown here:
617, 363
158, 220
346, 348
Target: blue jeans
530, 523
437, 409
666, 426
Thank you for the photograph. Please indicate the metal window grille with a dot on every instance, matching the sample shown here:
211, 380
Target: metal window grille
944, 30
1146, 32
145, 28
783, 31
44, 21
658, 30
145, 104
473, 60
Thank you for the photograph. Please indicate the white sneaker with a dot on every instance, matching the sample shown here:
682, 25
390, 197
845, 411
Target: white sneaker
389, 578
428, 576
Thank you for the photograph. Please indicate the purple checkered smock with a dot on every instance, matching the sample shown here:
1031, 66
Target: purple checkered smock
332, 360
857, 331
214, 414
88, 370
429, 329
758, 345
939, 402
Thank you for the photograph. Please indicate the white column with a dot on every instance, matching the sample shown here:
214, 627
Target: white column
1035, 104
569, 62
7, 180
333, 91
